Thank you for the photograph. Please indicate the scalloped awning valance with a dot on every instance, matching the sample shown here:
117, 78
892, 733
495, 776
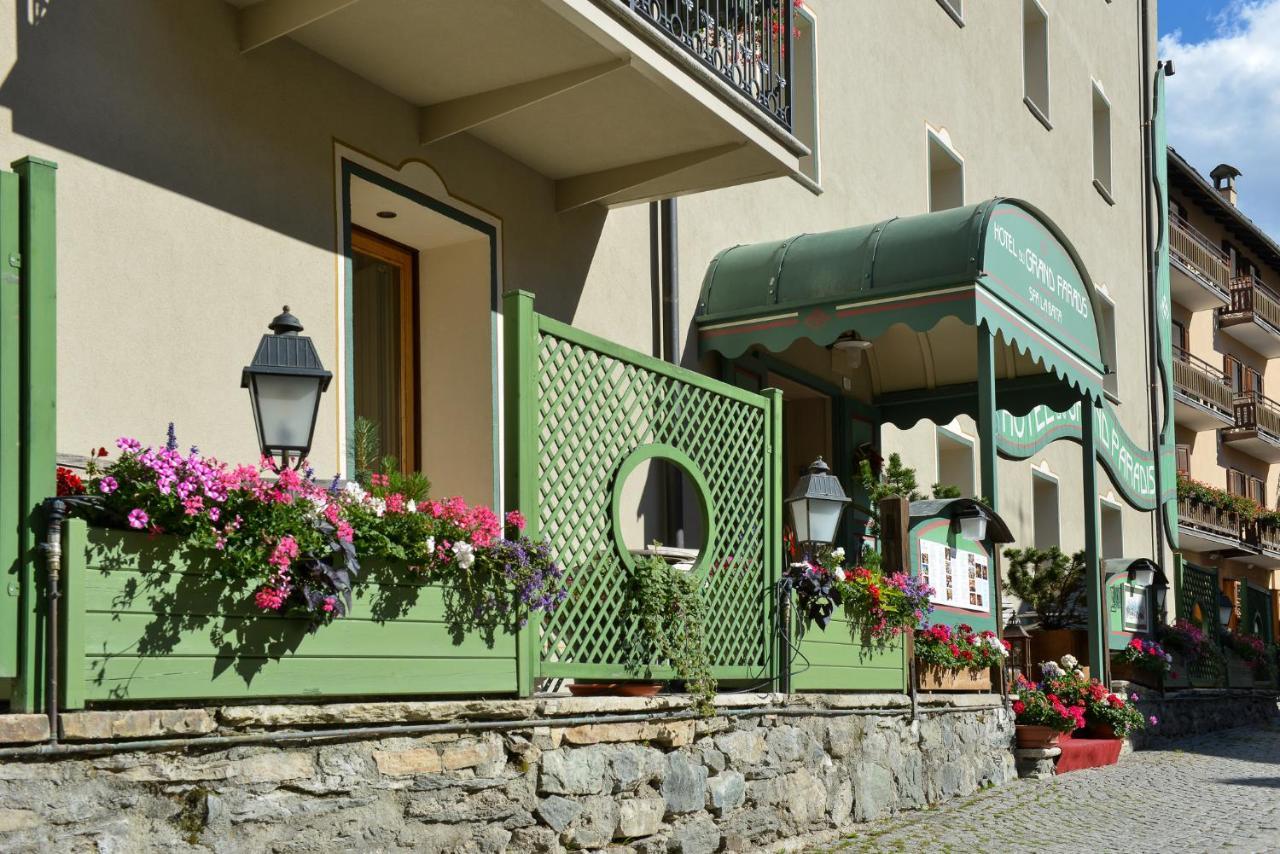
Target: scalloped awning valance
1001, 263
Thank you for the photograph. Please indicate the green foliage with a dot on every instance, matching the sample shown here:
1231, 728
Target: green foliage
895, 479
666, 619
365, 444
365, 448
1051, 583
945, 490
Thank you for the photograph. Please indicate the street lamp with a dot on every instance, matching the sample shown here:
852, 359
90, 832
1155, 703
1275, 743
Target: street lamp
816, 504
1142, 575
285, 381
1158, 593
1224, 610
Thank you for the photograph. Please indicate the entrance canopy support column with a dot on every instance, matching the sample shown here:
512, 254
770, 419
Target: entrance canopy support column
988, 490
1095, 590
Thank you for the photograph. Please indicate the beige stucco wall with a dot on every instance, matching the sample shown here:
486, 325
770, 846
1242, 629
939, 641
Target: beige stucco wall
198, 192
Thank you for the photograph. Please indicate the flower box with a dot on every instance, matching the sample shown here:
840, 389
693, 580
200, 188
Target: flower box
832, 660
1239, 673
1134, 674
139, 623
934, 678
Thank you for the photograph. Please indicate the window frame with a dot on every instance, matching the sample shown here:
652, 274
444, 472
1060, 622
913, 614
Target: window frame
934, 139
806, 23
1042, 112
365, 241
954, 10
1049, 480
1104, 188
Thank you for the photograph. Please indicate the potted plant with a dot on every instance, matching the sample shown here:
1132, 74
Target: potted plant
958, 659
1042, 717
1142, 661
666, 616
1111, 715
1052, 584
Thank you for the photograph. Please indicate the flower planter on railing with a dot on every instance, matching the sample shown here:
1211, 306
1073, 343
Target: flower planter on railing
1209, 517
139, 623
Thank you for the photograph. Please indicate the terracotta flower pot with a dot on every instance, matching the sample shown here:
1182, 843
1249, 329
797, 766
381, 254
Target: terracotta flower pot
615, 689
1033, 735
1098, 729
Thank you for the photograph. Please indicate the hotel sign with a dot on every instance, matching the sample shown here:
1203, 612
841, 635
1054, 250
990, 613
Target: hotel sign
1131, 469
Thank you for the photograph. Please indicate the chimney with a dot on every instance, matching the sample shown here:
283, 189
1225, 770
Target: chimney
1224, 177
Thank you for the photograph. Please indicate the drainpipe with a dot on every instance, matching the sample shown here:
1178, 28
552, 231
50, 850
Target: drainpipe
1154, 386
669, 275
53, 591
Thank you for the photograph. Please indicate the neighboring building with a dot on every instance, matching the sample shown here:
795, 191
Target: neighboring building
1226, 333
389, 169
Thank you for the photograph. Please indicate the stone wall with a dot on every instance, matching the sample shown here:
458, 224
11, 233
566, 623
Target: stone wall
1199, 711
638, 776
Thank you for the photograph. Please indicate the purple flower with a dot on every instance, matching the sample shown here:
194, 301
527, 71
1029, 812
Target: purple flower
138, 518
108, 485
126, 444
1153, 720
171, 444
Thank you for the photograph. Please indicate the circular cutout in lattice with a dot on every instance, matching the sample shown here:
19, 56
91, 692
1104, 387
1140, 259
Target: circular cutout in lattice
638, 489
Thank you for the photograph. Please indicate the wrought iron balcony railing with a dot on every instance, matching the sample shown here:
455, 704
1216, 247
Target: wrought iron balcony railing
1256, 412
1206, 517
1198, 252
747, 43
1200, 380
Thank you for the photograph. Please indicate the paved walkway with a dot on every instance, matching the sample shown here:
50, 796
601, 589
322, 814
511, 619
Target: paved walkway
1212, 793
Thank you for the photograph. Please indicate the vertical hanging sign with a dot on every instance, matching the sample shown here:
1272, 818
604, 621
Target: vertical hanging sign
1167, 478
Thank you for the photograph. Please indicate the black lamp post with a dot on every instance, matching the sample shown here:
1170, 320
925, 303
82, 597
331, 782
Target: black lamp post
285, 381
816, 504
1159, 590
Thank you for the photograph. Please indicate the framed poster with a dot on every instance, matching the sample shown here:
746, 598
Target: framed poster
960, 579
1135, 609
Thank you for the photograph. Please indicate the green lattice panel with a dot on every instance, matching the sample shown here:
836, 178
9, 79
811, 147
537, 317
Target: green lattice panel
1200, 587
595, 407
1256, 612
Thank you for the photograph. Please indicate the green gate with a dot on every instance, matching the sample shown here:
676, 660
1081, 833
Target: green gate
582, 414
1200, 587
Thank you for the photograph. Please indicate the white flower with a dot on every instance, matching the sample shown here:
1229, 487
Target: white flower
431, 545
1069, 661
838, 554
995, 644
1078, 673
412, 506
465, 554
318, 503
354, 491
379, 506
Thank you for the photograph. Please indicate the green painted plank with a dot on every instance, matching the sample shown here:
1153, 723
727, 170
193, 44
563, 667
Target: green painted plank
157, 634
848, 655
72, 615
132, 592
177, 678
10, 425
826, 678
617, 672
39, 422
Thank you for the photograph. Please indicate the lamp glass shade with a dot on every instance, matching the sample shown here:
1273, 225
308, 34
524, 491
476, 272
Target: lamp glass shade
284, 408
1158, 594
815, 520
1144, 577
1224, 610
973, 527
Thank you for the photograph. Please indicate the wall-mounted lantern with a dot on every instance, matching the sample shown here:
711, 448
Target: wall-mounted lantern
285, 381
816, 504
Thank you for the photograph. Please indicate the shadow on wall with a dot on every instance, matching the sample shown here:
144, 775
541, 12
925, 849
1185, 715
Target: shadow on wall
160, 91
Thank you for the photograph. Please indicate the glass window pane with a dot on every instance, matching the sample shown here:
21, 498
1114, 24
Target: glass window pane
378, 350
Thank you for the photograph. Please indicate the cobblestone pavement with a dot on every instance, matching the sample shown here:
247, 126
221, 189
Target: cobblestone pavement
1212, 793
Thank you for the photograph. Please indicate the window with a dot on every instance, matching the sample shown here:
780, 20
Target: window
955, 8
946, 174
955, 462
1102, 143
1236, 482
1044, 504
1112, 523
1179, 339
1258, 491
1183, 459
1035, 60
1243, 379
804, 88
384, 293
1107, 314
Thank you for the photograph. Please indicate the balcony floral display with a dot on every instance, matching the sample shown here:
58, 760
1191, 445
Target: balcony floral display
1106, 714
878, 607
258, 558
1142, 658
1190, 646
957, 658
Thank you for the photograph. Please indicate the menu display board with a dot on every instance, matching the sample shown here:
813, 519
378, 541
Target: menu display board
960, 579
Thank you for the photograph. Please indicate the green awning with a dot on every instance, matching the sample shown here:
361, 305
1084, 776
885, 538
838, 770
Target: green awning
1001, 263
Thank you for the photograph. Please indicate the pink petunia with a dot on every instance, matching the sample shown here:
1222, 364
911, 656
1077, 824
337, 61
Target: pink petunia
138, 518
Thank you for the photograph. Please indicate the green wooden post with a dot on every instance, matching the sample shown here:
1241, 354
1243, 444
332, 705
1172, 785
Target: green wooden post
520, 368
38, 246
773, 535
10, 424
1095, 591
71, 608
988, 485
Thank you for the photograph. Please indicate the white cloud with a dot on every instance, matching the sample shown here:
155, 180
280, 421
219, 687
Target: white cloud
1224, 103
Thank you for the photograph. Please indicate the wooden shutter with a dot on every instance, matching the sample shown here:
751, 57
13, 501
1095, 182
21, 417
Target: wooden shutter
1184, 459
1232, 368
1258, 491
1235, 482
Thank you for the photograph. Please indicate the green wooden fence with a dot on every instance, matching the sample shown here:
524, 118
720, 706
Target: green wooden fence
1200, 587
582, 413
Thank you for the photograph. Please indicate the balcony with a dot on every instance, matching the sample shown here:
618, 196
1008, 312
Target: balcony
1253, 317
1264, 537
1200, 273
1205, 528
1257, 427
676, 96
1202, 398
